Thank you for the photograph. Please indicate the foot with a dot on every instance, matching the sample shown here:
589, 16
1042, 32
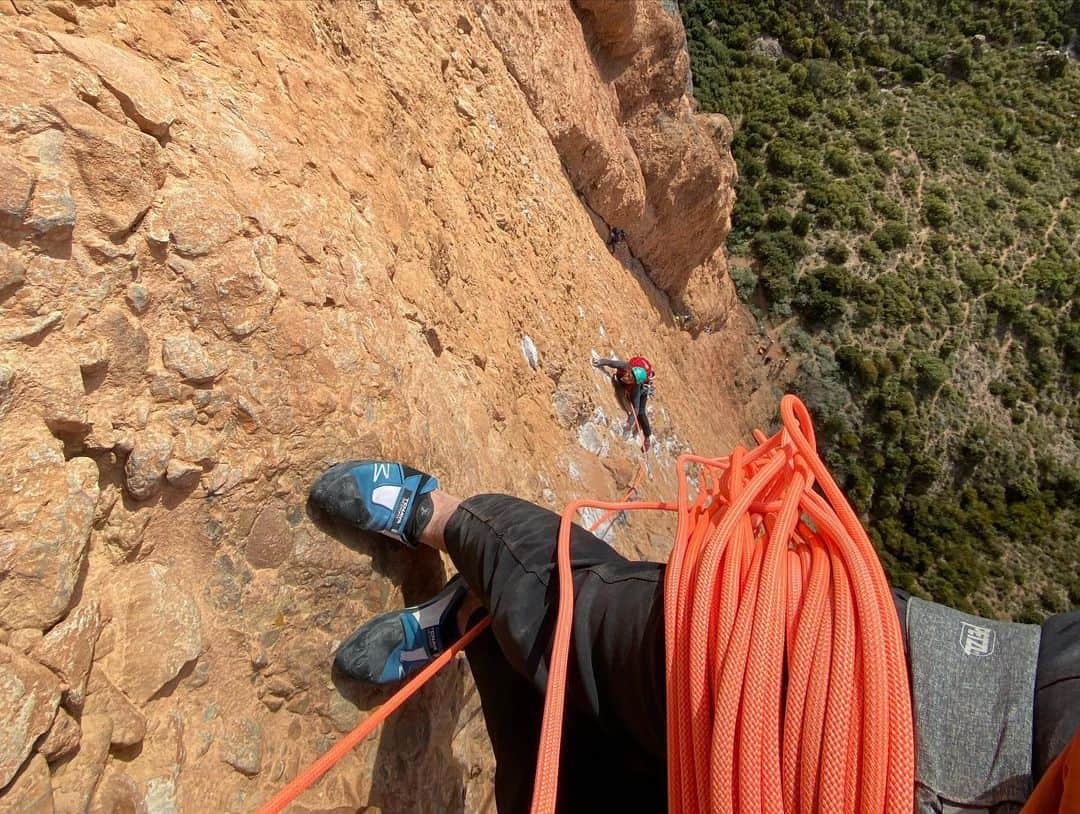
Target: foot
382, 496
396, 644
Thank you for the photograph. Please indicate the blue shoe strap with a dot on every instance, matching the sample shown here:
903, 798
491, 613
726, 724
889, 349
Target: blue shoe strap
412, 484
409, 487
420, 644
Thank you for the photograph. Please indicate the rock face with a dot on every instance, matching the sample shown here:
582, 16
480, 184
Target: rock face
617, 108
240, 241
147, 463
68, 650
73, 782
31, 791
157, 630
46, 513
16, 185
29, 695
128, 724
187, 357
141, 92
116, 793
242, 748
63, 738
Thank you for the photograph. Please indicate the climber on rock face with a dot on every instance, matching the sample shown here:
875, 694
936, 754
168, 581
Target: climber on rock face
614, 749
633, 380
615, 237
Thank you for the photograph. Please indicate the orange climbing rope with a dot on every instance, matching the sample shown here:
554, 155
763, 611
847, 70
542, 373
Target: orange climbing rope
632, 490
331, 756
787, 684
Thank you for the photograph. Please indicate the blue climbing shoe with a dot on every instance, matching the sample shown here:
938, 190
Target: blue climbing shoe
382, 496
397, 644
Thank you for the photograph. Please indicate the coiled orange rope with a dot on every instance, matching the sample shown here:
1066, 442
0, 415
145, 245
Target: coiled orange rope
787, 684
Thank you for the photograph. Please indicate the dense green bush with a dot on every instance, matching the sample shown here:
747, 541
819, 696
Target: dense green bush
835, 252
840, 160
782, 158
892, 235
977, 157
979, 278
800, 224
937, 213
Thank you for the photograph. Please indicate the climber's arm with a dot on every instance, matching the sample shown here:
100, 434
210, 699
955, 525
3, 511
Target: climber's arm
615, 363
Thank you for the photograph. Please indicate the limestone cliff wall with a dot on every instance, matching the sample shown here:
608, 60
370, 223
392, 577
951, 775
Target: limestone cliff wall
612, 94
240, 240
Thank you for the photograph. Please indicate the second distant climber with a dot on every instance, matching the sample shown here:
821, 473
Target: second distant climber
634, 377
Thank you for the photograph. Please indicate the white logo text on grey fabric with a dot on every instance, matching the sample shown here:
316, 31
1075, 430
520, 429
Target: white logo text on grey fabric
976, 640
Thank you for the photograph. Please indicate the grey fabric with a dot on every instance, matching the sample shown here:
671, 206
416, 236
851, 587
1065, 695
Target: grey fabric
1057, 688
972, 684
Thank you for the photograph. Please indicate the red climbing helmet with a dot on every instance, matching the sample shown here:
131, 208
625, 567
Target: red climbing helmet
642, 362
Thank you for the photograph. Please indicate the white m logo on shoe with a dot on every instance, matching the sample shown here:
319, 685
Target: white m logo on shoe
382, 472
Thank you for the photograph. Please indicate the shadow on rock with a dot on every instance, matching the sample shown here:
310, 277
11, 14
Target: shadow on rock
415, 770
418, 573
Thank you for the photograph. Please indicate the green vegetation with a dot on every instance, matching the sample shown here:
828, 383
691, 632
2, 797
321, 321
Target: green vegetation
910, 196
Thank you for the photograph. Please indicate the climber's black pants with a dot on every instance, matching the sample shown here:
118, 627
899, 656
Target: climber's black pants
613, 754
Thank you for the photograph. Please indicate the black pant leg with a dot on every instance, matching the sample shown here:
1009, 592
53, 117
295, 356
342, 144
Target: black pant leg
640, 407
504, 547
1057, 689
513, 710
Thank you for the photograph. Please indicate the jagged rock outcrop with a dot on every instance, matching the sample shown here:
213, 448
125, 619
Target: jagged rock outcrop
62, 739
142, 94
241, 240
29, 695
68, 650
614, 100
74, 781
156, 630
31, 791
46, 511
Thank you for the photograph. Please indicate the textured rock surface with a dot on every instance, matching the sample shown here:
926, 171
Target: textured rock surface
142, 93
155, 628
74, 781
147, 463
29, 695
128, 724
241, 747
12, 271
241, 240
31, 791
46, 513
63, 737
117, 793
68, 650
616, 105
16, 185
186, 356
